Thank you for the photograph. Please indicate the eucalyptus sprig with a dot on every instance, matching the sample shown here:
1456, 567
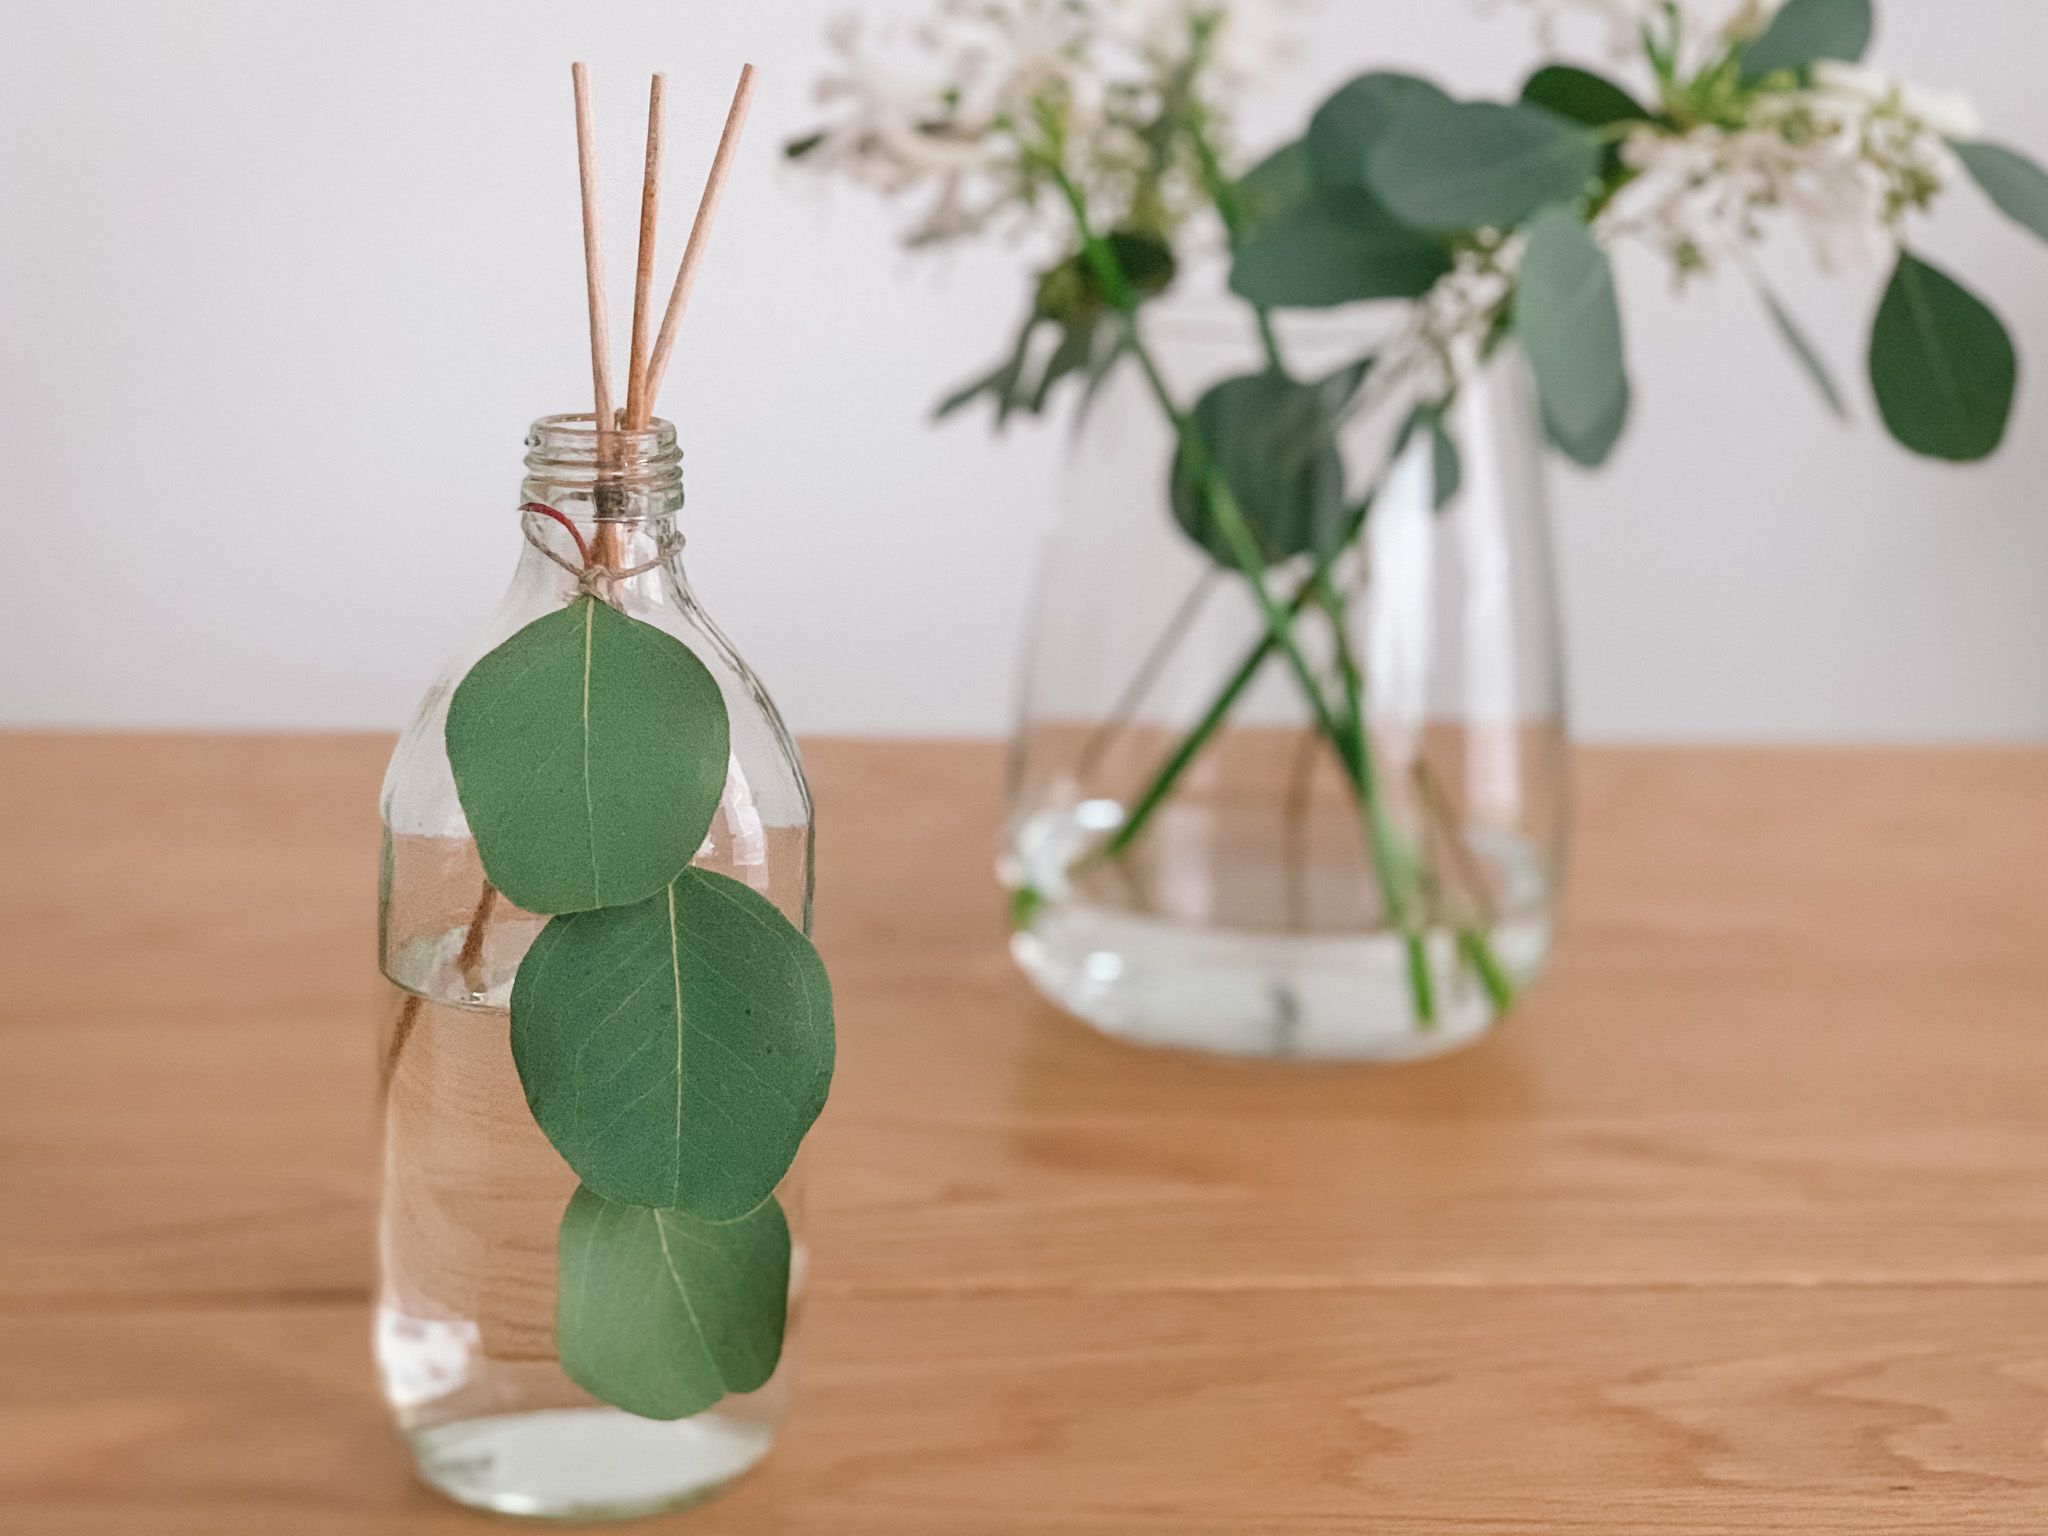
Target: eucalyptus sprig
671, 1028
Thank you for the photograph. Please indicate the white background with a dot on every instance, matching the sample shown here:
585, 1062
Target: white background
281, 285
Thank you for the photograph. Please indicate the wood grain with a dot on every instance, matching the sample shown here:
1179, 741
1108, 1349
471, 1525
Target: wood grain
1742, 1225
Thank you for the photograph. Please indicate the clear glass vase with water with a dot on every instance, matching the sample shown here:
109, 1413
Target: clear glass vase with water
1196, 858
472, 1192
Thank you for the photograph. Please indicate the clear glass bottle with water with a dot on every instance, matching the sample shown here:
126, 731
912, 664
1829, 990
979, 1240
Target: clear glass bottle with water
1194, 861
472, 1191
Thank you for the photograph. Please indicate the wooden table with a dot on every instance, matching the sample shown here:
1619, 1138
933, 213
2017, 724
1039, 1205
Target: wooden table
1742, 1226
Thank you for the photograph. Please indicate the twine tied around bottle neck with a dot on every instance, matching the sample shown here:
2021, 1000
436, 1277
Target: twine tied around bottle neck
592, 579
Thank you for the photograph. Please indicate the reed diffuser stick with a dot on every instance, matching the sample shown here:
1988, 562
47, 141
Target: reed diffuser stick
643, 276
593, 260
693, 253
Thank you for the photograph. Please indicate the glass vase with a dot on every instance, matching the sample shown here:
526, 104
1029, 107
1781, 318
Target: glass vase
472, 1191
1198, 857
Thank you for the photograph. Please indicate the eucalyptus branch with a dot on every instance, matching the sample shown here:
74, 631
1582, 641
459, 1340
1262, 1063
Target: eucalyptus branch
1223, 193
1223, 505
1177, 762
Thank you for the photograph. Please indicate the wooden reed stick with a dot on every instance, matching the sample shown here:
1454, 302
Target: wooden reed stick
693, 253
593, 260
643, 276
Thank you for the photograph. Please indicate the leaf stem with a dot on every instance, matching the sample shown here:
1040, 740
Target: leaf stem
1191, 745
1388, 860
1223, 505
1223, 193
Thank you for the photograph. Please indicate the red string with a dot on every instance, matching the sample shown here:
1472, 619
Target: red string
544, 510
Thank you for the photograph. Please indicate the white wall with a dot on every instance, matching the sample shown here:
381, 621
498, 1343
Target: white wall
281, 285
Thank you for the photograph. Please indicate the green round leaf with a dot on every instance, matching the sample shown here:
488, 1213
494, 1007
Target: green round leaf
1806, 31
1349, 128
2016, 184
1942, 365
1340, 247
662, 1313
590, 754
1275, 185
1472, 165
1569, 321
1582, 96
1273, 442
676, 1051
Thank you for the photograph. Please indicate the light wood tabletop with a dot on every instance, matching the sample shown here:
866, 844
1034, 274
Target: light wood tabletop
1741, 1225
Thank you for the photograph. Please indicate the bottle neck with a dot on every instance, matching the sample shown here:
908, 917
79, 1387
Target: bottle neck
614, 477
600, 511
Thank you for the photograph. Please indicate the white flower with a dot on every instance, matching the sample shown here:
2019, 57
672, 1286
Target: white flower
1944, 114
1704, 194
923, 106
1846, 160
971, 107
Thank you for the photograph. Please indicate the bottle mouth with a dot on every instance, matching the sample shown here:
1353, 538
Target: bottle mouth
568, 458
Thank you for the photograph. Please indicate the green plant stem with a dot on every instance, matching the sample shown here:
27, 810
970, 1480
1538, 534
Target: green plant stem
1392, 865
1241, 678
1223, 193
1230, 521
1390, 857
1191, 745
1251, 563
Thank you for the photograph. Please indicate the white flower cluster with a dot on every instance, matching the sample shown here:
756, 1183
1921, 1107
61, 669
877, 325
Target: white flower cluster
917, 106
1440, 343
964, 106
1846, 159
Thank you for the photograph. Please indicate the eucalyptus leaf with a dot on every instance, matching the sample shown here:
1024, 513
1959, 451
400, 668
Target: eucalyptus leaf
1445, 459
1341, 247
1447, 465
589, 753
1942, 365
1275, 185
1273, 442
1583, 96
1340, 387
1804, 350
1806, 31
1076, 347
2016, 184
1569, 321
676, 1051
1349, 128
1473, 165
999, 384
663, 1313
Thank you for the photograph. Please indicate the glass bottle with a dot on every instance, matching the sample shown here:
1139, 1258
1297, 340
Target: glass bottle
472, 1191
1256, 907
